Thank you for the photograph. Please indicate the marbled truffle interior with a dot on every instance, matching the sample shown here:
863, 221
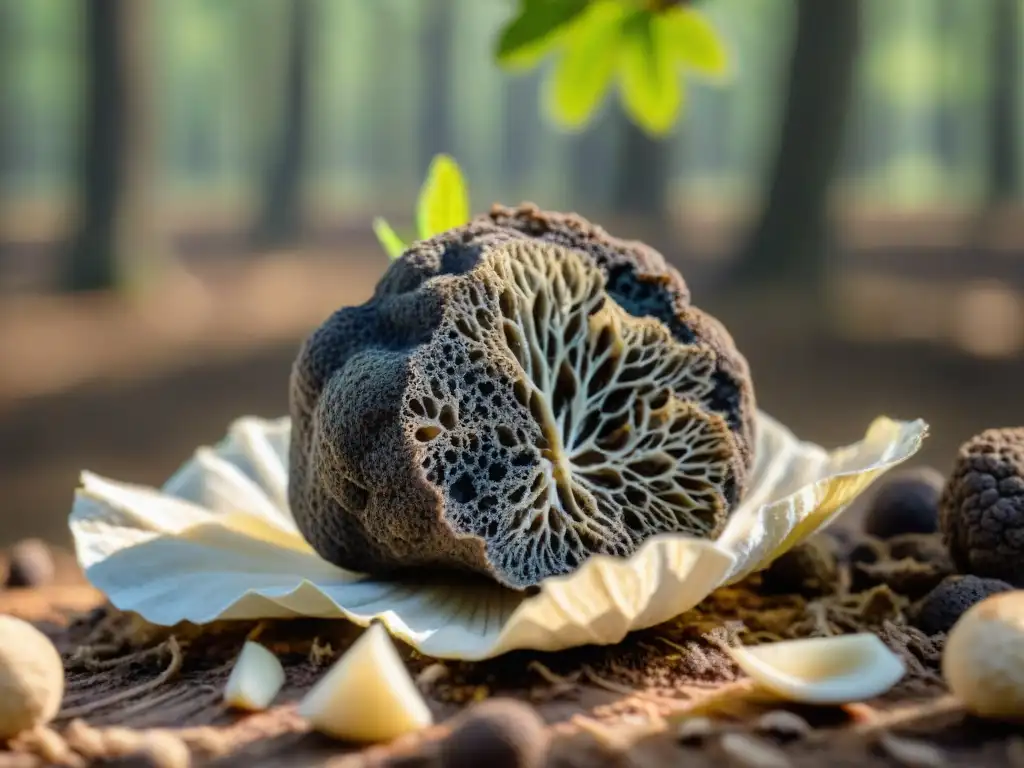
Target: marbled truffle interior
494, 408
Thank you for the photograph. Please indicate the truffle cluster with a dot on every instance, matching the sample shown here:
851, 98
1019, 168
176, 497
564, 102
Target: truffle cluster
982, 506
519, 394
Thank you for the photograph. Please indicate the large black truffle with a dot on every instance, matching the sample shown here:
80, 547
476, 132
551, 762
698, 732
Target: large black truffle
499, 733
940, 609
906, 501
512, 403
982, 507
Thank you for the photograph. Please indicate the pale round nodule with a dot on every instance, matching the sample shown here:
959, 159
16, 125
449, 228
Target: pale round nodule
31, 677
983, 662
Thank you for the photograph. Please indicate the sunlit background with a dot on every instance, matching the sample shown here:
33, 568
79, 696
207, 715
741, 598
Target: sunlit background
187, 189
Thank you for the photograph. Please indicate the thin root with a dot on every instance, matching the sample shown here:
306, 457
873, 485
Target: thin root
172, 669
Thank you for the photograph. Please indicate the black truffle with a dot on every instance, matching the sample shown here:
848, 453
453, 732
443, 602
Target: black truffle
498, 733
867, 549
495, 408
942, 607
807, 569
982, 507
906, 501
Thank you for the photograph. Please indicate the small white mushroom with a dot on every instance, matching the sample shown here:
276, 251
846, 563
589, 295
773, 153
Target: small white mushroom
255, 680
31, 677
368, 695
983, 662
823, 670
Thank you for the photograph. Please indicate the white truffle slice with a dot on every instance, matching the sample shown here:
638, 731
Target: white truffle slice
823, 670
368, 695
31, 677
983, 661
255, 680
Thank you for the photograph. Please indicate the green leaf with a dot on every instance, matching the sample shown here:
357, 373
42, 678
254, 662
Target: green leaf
693, 41
648, 80
586, 67
444, 200
388, 238
533, 31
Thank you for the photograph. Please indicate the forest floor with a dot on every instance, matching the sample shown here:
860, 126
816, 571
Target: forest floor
147, 696
128, 387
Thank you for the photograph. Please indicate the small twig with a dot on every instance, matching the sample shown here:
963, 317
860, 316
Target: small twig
551, 677
172, 669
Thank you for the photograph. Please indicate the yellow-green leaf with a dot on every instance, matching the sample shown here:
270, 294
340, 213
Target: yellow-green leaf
531, 33
585, 69
651, 89
444, 200
388, 238
693, 42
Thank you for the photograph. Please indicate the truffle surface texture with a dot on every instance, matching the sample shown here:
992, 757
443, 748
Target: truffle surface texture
500, 733
982, 508
940, 609
907, 501
493, 408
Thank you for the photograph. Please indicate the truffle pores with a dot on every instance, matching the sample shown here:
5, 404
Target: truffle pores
982, 506
506, 417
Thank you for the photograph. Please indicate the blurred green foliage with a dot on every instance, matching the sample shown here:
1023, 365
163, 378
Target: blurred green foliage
918, 138
642, 46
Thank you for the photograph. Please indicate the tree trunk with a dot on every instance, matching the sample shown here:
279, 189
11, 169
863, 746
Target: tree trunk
281, 219
1004, 83
789, 242
521, 130
437, 41
641, 174
115, 241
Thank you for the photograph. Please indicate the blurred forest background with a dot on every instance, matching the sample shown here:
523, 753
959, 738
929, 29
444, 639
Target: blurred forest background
187, 186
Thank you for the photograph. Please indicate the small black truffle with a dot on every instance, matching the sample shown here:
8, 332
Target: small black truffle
867, 549
940, 608
923, 547
807, 569
906, 502
30, 564
982, 506
498, 733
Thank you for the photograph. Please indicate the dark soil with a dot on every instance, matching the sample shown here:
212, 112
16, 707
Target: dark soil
145, 694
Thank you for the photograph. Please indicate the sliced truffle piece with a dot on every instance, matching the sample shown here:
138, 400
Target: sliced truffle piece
982, 507
637, 278
940, 609
509, 418
907, 501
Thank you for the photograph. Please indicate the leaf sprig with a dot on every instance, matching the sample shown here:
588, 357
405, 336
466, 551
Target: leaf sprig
443, 203
644, 46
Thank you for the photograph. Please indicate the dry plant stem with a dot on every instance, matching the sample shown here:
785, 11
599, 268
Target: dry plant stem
881, 722
172, 669
625, 690
94, 665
